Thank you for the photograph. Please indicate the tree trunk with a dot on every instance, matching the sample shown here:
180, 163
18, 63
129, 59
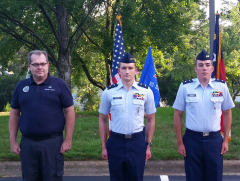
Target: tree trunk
107, 55
64, 58
64, 67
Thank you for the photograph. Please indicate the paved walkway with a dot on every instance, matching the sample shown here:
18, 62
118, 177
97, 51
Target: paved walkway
100, 168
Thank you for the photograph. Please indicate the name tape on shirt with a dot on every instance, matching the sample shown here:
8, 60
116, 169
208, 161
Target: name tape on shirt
191, 95
117, 97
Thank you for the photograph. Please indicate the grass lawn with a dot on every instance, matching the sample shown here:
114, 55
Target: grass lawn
87, 144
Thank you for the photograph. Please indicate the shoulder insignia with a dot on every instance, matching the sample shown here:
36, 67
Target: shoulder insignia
187, 81
218, 80
142, 85
112, 86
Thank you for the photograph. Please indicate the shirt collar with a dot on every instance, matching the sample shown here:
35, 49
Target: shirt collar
47, 81
135, 85
197, 83
210, 83
120, 84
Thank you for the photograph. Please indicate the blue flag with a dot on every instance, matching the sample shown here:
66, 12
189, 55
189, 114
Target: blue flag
149, 77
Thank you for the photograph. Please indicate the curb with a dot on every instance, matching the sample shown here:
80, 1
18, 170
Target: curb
100, 168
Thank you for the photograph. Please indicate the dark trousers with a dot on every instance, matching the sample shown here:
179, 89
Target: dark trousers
41, 159
126, 157
203, 161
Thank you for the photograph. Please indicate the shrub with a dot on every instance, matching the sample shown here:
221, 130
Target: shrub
7, 86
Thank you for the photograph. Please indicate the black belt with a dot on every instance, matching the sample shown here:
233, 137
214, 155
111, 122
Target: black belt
127, 136
211, 133
43, 137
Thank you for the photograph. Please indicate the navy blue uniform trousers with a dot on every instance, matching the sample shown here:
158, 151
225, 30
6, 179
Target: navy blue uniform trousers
126, 157
41, 159
203, 161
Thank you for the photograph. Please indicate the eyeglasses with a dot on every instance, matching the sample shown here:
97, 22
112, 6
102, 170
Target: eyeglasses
39, 64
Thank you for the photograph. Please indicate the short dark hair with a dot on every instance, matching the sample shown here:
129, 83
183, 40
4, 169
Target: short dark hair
37, 52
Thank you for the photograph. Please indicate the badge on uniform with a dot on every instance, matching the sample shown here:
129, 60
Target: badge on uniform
26, 89
217, 94
138, 96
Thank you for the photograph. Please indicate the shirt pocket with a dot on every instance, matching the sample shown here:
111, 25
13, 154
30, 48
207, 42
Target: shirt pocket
139, 106
49, 97
117, 104
217, 102
138, 102
192, 104
192, 99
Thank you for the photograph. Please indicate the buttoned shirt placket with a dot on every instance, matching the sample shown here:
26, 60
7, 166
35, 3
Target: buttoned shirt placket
127, 102
204, 99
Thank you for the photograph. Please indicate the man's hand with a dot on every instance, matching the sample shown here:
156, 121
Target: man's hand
182, 150
66, 145
224, 147
148, 153
15, 148
104, 154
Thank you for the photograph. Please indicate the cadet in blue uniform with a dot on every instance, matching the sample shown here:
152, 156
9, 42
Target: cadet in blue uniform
41, 107
204, 100
127, 148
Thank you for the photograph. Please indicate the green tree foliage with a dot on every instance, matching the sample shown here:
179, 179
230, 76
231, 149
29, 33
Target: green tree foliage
78, 36
231, 49
54, 26
137, 31
7, 86
83, 43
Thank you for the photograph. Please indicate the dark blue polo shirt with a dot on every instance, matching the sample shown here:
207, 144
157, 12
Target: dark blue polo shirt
41, 105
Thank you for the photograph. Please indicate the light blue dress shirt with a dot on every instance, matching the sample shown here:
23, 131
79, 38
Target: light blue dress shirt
203, 105
127, 107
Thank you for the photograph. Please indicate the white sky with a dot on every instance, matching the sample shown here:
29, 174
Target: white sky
219, 5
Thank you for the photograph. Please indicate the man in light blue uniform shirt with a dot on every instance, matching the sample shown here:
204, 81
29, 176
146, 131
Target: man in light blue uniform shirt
204, 99
127, 148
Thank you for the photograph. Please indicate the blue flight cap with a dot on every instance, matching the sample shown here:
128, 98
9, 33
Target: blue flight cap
203, 55
127, 58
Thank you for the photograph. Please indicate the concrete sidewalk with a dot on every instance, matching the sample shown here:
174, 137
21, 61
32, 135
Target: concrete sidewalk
100, 168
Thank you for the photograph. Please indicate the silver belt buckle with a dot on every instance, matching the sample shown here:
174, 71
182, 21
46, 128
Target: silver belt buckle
127, 136
205, 133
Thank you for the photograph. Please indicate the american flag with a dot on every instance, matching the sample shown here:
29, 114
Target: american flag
118, 51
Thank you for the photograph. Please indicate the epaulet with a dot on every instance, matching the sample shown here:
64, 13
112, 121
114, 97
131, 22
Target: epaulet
112, 86
142, 85
218, 80
187, 81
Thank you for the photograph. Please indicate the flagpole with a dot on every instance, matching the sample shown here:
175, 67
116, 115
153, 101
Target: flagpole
211, 24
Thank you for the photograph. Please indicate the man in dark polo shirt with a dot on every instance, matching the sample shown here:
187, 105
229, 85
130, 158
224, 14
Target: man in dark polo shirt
41, 107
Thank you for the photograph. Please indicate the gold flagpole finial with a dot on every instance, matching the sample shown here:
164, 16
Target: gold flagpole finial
119, 17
